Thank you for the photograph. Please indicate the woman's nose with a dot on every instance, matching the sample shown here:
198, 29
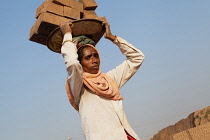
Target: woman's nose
94, 59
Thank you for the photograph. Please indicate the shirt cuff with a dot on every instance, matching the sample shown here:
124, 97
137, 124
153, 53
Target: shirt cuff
67, 36
116, 39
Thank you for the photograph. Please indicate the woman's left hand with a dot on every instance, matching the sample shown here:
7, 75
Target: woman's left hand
108, 34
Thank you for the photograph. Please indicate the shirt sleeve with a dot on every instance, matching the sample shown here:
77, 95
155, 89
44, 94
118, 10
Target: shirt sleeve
73, 67
123, 72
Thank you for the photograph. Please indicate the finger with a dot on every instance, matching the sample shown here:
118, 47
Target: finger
103, 23
71, 24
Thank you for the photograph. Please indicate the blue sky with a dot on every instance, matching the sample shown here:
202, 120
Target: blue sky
172, 82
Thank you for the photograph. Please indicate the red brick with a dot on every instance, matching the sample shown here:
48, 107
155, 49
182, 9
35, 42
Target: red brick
71, 13
89, 14
89, 4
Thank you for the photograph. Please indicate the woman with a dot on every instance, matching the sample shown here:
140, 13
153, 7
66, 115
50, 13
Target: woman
95, 95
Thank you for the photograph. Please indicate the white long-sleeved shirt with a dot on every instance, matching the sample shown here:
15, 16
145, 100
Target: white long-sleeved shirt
101, 119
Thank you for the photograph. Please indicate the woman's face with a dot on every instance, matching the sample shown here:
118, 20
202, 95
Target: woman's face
90, 60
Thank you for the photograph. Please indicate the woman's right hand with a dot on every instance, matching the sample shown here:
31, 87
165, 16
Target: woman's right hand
65, 27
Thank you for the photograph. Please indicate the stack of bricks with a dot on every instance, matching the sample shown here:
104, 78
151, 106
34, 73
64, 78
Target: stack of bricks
52, 12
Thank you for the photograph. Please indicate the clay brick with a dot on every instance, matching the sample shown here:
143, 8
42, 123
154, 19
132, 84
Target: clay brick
89, 14
47, 22
89, 4
44, 25
103, 19
70, 3
38, 10
38, 38
48, 6
71, 13
33, 30
76, 5
62, 2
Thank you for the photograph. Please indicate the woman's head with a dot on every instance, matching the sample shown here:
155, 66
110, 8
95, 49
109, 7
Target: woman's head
88, 57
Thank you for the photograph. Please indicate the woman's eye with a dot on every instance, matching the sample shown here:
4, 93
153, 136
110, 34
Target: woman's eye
87, 58
96, 55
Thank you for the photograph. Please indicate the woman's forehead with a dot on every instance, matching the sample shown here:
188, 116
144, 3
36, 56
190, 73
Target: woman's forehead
89, 50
